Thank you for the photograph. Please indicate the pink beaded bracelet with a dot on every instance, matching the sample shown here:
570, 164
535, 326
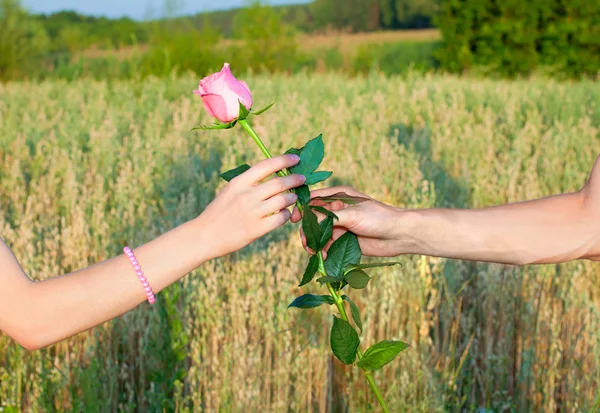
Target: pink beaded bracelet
140, 274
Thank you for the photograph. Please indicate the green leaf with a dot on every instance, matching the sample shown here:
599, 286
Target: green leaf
303, 193
344, 340
243, 111
324, 211
293, 151
217, 126
328, 280
232, 173
311, 157
373, 265
345, 250
311, 301
312, 230
316, 177
355, 312
311, 270
381, 354
327, 231
344, 197
263, 110
357, 279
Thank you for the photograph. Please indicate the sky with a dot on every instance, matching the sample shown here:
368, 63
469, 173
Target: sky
137, 9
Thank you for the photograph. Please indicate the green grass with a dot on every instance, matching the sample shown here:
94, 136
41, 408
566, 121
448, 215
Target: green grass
88, 165
396, 58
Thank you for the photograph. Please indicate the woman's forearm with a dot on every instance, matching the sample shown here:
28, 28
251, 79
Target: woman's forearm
42, 313
549, 230
63, 306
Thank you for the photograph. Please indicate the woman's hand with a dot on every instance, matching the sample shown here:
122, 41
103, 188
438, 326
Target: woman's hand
37, 314
376, 224
246, 209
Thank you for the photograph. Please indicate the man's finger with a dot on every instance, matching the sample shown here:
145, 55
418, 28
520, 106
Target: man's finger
296, 216
336, 189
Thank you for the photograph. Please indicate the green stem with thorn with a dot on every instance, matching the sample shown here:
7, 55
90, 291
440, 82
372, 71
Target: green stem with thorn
339, 302
246, 126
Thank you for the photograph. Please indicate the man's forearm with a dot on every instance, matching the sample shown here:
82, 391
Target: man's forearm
548, 230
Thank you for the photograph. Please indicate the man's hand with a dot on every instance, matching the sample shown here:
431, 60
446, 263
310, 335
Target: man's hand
376, 224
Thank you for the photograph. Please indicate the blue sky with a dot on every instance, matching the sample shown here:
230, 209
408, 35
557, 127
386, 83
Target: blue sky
137, 9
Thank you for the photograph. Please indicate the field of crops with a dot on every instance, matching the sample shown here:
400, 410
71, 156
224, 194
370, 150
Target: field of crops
88, 166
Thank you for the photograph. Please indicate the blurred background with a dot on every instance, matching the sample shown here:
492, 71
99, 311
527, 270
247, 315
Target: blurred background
422, 103
71, 40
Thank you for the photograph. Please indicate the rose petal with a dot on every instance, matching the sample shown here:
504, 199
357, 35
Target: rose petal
230, 92
243, 91
245, 85
216, 106
239, 89
214, 78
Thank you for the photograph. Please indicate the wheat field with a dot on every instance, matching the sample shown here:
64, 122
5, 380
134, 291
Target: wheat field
89, 166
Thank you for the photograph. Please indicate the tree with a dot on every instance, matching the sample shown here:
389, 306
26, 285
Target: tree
23, 41
364, 15
268, 43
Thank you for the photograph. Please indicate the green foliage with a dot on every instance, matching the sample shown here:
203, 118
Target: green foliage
316, 177
373, 265
331, 59
344, 197
357, 15
329, 280
513, 38
396, 58
310, 271
312, 230
217, 126
72, 31
269, 44
263, 110
23, 42
357, 279
296, 15
366, 15
181, 47
405, 14
381, 354
232, 173
303, 193
344, 340
311, 301
326, 231
355, 312
324, 211
345, 250
243, 111
311, 156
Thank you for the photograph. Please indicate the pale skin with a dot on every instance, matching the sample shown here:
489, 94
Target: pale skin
37, 314
549, 230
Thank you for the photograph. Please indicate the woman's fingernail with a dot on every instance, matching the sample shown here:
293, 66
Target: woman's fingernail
302, 178
294, 157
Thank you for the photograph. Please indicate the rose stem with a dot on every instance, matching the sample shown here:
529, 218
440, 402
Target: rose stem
339, 302
264, 150
336, 297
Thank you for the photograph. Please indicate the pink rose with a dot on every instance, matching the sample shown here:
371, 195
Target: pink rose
221, 93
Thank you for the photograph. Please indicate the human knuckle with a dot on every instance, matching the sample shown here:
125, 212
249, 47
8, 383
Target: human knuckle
281, 184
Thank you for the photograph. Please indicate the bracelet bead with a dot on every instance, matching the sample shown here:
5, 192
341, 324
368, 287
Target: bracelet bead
138, 270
